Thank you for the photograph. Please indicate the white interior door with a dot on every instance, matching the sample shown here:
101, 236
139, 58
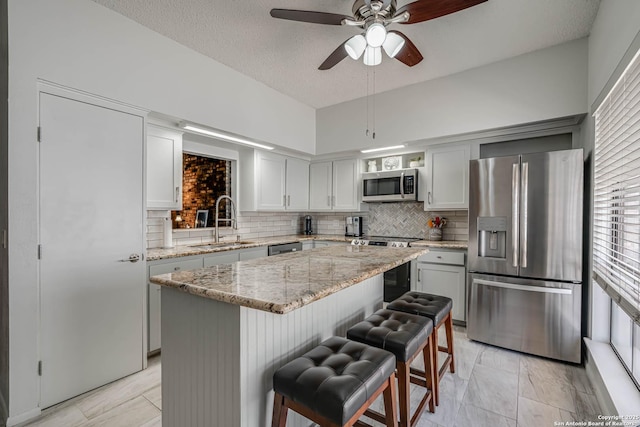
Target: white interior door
91, 217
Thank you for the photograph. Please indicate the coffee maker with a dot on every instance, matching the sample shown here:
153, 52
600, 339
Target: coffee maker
353, 226
308, 227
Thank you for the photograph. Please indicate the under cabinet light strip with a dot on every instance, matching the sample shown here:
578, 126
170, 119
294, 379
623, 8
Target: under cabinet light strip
194, 128
373, 150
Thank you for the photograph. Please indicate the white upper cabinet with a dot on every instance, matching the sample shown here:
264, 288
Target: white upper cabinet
345, 185
297, 184
320, 185
447, 185
334, 185
164, 169
271, 182
271, 176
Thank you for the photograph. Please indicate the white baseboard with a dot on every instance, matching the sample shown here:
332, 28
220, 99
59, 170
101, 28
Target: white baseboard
615, 391
24, 417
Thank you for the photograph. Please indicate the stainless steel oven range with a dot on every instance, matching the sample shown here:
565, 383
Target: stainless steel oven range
397, 281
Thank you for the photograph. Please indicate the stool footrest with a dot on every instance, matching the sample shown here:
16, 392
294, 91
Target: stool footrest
375, 415
445, 365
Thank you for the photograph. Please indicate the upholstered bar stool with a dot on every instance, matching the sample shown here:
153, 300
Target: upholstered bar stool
335, 383
407, 336
438, 309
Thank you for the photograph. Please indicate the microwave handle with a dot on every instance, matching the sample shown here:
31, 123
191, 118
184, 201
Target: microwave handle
402, 185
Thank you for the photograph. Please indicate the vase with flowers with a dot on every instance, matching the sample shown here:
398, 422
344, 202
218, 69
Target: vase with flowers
435, 225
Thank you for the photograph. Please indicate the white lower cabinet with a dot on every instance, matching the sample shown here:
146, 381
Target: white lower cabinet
252, 253
443, 273
154, 308
325, 243
187, 263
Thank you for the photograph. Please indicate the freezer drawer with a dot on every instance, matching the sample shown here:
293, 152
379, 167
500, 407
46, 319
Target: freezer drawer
532, 316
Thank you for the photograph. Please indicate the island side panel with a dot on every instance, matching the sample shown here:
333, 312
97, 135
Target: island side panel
270, 340
200, 361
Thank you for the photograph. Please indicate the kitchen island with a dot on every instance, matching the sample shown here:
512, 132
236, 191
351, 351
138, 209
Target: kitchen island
227, 328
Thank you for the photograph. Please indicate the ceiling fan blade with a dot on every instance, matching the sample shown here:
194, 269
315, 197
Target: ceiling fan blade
309, 16
336, 56
424, 10
409, 54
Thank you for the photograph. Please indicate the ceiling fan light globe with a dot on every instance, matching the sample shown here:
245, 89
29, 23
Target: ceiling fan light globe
393, 44
355, 46
372, 56
376, 34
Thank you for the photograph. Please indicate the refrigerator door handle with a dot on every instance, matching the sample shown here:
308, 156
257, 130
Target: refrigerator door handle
524, 287
524, 213
515, 211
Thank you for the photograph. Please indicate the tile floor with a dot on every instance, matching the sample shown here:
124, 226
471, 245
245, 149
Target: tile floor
492, 387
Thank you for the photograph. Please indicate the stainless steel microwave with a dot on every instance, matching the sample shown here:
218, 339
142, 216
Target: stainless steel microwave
390, 186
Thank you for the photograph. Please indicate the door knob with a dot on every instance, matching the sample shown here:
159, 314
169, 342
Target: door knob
132, 258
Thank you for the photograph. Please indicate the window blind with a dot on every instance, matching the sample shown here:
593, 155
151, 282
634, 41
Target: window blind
616, 222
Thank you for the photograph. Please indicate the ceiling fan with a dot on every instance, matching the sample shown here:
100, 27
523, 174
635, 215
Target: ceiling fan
373, 16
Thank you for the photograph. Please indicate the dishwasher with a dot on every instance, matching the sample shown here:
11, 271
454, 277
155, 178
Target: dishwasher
284, 248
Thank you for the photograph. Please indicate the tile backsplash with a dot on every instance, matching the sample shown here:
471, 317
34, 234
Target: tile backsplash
251, 225
382, 219
410, 220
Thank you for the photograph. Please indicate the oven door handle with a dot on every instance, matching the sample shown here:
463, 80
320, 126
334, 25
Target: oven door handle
402, 185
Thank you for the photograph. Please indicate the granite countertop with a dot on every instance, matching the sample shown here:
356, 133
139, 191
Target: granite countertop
181, 251
282, 283
445, 244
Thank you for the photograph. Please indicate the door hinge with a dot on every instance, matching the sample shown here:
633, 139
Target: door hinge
40, 368
39, 134
39, 251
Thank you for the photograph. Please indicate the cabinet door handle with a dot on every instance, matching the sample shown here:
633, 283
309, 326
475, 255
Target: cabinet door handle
177, 193
289, 200
329, 201
419, 271
333, 200
429, 197
284, 199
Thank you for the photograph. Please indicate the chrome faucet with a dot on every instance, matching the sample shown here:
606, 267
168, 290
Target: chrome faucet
233, 219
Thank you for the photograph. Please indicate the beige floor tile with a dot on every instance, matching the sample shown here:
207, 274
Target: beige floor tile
68, 416
156, 422
134, 413
154, 396
494, 390
536, 414
120, 391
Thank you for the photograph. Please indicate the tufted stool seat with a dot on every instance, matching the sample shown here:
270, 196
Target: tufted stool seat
335, 383
406, 336
438, 309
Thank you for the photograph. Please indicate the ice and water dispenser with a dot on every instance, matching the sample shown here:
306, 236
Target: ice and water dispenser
492, 237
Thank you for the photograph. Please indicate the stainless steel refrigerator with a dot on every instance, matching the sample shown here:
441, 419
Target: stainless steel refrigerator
525, 253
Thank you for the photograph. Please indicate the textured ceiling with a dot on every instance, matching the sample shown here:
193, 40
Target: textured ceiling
285, 55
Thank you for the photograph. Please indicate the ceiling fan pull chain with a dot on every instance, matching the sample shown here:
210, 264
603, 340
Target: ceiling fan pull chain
367, 101
374, 103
